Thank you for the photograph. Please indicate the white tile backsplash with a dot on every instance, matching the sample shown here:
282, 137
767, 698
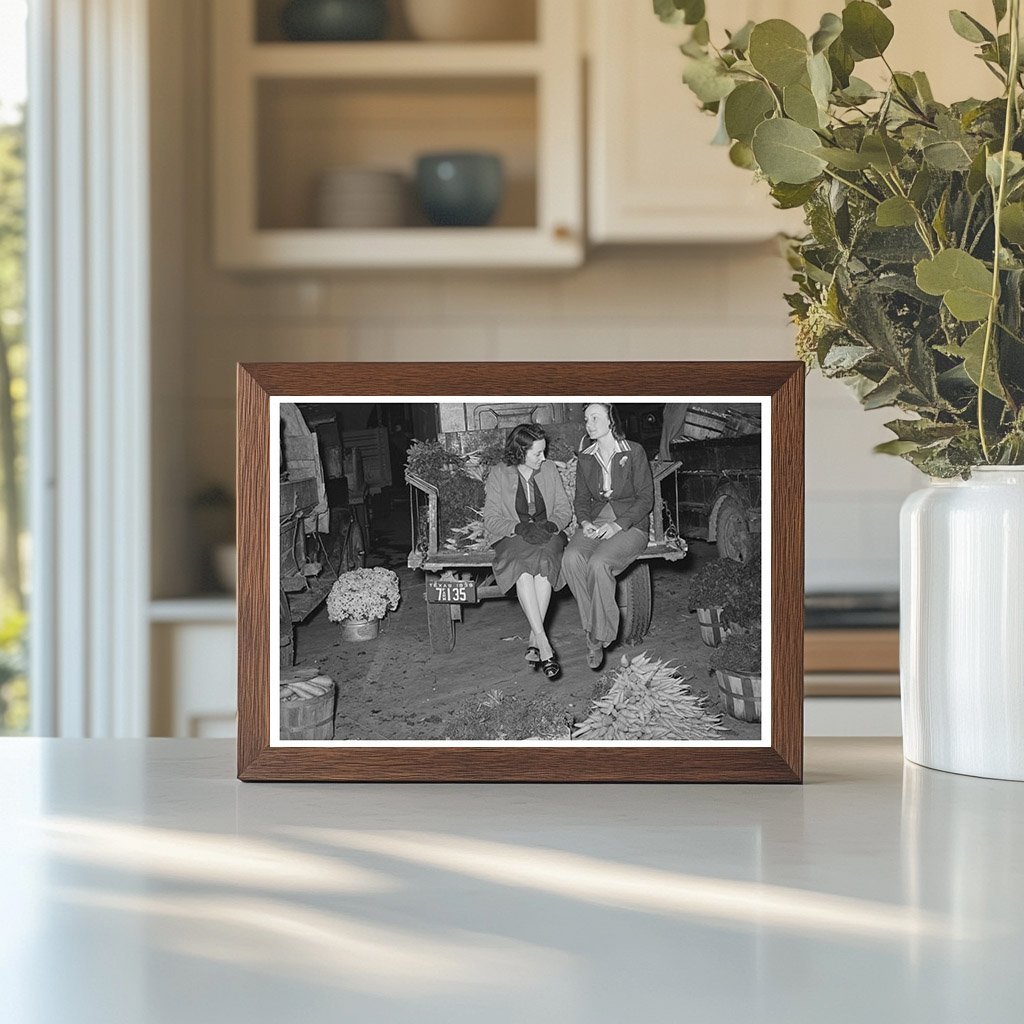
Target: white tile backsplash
718, 302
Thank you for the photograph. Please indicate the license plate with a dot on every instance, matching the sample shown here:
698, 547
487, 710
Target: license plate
451, 592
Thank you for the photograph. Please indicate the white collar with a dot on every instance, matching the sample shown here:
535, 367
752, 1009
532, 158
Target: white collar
620, 447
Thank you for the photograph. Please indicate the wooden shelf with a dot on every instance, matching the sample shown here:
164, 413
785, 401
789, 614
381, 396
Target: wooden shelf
393, 60
400, 247
852, 650
285, 113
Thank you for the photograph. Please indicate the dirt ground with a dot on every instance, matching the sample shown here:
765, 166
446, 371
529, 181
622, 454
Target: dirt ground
394, 687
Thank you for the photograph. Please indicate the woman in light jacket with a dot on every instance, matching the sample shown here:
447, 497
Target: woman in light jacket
614, 499
525, 511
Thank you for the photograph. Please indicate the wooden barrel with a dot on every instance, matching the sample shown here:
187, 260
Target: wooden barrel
740, 695
308, 717
712, 628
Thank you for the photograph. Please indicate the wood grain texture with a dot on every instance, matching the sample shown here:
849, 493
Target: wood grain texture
782, 761
852, 650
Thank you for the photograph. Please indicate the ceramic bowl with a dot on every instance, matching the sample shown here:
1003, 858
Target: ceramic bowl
334, 20
471, 20
460, 189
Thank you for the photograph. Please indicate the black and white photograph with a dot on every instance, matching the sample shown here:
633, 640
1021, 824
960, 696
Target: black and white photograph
523, 570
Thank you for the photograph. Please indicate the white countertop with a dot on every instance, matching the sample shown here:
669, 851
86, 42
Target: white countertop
143, 885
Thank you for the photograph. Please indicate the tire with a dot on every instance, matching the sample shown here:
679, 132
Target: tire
353, 555
440, 624
732, 534
634, 600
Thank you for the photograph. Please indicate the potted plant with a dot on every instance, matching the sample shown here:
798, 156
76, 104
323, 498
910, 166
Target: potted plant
737, 664
725, 593
360, 599
909, 285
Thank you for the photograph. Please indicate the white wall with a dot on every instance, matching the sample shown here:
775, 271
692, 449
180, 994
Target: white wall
720, 302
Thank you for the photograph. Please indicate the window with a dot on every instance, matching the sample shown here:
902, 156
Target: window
14, 549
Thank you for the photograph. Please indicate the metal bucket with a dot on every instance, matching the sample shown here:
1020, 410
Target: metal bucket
358, 630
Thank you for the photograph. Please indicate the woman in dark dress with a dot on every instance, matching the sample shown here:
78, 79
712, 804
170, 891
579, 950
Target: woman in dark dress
525, 511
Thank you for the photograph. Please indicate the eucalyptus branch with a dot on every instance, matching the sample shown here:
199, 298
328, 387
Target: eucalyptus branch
993, 308
853, 185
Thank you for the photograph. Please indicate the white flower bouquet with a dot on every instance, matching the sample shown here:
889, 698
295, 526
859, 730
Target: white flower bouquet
363, 594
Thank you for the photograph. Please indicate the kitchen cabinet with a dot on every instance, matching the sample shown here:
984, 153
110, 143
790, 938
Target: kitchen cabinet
287, 113
653, 175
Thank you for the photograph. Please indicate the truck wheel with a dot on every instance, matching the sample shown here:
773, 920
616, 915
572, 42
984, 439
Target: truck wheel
634, 600
734, 538
440, 624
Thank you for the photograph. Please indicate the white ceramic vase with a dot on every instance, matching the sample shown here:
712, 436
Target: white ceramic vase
962, 624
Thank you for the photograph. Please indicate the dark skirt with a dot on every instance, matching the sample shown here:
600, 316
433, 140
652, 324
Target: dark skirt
515, 555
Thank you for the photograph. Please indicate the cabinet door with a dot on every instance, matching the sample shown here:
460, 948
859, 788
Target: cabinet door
653, 174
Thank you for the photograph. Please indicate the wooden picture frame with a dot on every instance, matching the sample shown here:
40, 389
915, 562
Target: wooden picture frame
778, 758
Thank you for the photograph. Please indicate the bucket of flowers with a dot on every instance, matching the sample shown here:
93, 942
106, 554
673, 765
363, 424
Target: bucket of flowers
360, 599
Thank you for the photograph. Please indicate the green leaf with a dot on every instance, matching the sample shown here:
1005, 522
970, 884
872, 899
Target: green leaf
923, 431
946, 156
866, 29
789, 197
708, 81
883, 153
924, 88
800, 105
976, 175
971, 352
968, 28
1014, 169
739, 41
999, 7
742, 155
885, 394
679, 12
778, 50
939, 220
701, 33
745, 108
963, 281
1012, 224
841, 60
785, 152
844, 159
859, 91
921, 185
830, 28
820, 75
895, 447
896, 212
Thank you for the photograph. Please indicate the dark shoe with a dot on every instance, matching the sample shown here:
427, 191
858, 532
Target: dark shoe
551, 667
533, 656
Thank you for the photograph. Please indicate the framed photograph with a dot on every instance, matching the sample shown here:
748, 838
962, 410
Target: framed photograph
520, 572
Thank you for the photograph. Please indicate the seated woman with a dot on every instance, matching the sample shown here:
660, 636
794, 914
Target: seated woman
614, 498
525, 510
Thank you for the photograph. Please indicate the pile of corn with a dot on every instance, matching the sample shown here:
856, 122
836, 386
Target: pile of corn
304, 683
649, 701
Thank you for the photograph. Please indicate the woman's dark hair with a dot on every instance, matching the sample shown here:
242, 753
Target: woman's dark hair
614, 420
520, 440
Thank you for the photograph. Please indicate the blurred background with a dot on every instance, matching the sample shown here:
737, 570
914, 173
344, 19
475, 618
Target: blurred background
252, 180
